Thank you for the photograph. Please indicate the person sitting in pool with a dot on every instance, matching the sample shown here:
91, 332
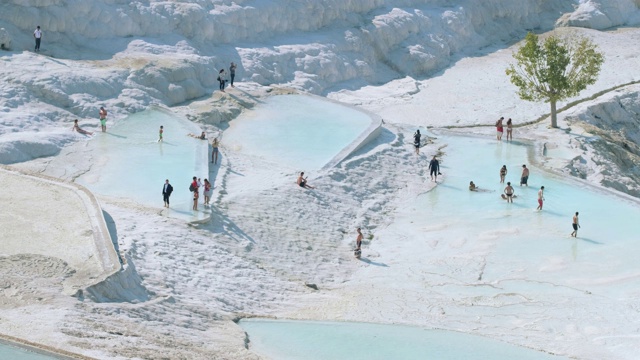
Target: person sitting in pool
77, 128
302, 182
202, 136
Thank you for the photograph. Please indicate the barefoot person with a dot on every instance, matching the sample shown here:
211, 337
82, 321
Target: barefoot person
576, 225
416, 141
160, 132
202, 136
195, 199
214, 150
540, 197
77, 128
472, 186
525, 176
302, 182
207, 191
103, 119
167, 189
503, 173
434, 166
509, 129
358, 250
508, 191
499, 128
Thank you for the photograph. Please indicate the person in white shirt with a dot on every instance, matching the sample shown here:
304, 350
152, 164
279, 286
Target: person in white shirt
37, 34
540, 198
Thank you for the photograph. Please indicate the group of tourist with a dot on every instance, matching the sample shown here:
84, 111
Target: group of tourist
195, 187
102, 114
222, 76
500, 129
434, 164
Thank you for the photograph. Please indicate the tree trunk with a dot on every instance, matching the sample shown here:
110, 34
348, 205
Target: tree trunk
554, 115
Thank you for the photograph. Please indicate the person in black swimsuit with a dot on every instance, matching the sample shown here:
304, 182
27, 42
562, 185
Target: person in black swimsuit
302, 182
416, 141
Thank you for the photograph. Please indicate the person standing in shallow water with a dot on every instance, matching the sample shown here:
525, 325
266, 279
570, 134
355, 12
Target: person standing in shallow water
576, 225
525, 176
509, 129
540, 198
503, 173
232, 72
37, 34
416, 141
103, 118
434, 166
508, 191
167, 189
160, 132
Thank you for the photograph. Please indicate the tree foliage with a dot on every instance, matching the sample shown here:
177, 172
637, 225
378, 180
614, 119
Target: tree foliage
554, 69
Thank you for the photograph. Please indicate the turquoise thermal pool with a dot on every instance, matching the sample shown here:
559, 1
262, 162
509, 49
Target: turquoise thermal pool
497, 264
297, 131
524, 242
315, 340
132, 164
18, 353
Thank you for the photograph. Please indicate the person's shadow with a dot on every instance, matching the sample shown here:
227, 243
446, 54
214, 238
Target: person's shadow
368, 261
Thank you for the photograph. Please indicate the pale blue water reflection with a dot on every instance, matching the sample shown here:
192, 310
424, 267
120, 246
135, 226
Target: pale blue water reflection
315, 340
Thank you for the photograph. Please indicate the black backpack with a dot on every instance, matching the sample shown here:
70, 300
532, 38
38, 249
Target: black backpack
192, 188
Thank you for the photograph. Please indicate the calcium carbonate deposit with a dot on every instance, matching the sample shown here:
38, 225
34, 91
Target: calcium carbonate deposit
271, 248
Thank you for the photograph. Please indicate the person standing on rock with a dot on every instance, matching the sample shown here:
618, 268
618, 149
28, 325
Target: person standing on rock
357, 252
167, 189
214, 150
222, 78
232, 72
103, 119
416, 141
37, 34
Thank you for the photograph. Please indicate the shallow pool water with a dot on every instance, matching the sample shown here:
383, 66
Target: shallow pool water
298, 131
311, 340
133, 164
10, 352
526, 242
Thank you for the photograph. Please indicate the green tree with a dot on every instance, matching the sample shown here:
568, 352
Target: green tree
554, 69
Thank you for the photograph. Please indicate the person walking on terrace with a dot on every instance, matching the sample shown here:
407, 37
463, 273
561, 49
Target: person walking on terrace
576, 225
434, 166
540, 198
416, 141
167, 189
